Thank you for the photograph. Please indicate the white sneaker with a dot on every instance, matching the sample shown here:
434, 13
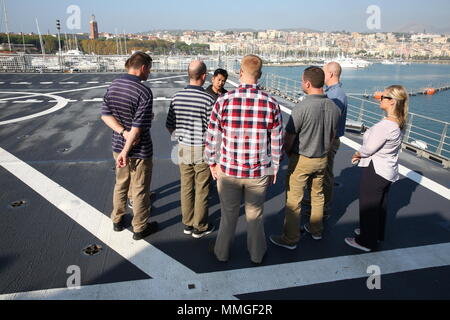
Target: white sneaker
352, 243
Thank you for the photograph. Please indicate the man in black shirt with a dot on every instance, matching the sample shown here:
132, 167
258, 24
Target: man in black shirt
218, 82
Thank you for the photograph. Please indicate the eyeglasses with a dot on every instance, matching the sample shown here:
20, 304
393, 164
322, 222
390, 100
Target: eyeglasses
384, 97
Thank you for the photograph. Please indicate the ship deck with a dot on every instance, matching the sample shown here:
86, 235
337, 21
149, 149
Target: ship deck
57, 179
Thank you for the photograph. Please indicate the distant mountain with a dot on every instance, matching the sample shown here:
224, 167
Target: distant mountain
301, 30
419, 28
230, 29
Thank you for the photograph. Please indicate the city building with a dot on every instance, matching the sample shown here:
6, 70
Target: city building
94, 28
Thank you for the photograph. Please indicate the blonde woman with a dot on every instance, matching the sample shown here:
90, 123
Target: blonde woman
378, 158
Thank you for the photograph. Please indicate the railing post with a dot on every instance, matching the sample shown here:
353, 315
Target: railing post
287, 91
408, 128
361, 112
443, 136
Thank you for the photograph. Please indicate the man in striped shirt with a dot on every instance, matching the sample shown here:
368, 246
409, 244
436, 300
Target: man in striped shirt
127, 110
187, 121
246, 127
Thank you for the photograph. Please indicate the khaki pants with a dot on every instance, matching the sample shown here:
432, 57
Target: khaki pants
230, 193
195, 179
328, 181
136, 176
300, 170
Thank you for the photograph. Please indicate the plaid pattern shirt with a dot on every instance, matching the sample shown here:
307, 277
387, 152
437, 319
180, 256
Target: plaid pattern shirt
245, 133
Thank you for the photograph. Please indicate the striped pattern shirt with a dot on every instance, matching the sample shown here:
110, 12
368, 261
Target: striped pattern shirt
189, 113
246, 129
131, 104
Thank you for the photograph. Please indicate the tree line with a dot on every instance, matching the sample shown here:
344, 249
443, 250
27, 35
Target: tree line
107, 47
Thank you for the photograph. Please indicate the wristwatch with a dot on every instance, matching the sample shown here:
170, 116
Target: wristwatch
121, 132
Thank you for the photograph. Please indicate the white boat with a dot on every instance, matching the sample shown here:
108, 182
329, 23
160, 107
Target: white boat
350, 63
396, 61
387, 62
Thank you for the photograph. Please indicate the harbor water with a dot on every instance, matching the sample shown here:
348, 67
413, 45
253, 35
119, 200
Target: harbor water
378, 76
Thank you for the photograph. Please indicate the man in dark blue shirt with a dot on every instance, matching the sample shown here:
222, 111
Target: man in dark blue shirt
127, 110
334, 92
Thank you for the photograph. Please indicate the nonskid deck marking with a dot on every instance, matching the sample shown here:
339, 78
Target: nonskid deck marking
93, 100
61, 103
28, 101
29, 95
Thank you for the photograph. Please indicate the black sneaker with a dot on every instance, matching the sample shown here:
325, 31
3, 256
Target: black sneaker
152, 227
188, 230
278, 241
118, 226
315, 237
198, 234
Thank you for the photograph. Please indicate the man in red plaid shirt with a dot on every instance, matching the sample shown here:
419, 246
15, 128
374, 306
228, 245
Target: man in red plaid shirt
243, 149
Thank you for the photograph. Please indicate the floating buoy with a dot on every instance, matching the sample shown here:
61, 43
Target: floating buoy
377, 95
430, 91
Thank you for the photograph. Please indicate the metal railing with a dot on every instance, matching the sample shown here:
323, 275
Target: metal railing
424, 133
103, 63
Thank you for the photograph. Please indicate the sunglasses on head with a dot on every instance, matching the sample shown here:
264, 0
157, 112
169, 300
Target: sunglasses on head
385, 97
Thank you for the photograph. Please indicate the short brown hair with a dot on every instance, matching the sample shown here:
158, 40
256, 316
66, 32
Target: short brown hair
137, 60
315, 75
252, 65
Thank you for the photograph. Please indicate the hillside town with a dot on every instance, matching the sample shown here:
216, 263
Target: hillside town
278, 45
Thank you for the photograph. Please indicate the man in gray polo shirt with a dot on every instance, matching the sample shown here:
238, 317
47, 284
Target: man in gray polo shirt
309, 134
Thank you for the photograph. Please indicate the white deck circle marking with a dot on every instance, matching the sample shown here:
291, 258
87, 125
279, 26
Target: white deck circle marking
61, 103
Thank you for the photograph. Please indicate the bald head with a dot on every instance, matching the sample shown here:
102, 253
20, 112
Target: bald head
334, 68
196, 70
251, 66
333, 73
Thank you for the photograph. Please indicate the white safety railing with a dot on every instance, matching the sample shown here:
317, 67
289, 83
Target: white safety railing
423, 132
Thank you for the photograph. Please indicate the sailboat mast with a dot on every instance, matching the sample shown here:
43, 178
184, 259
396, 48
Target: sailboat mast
40, 38
125, 40
6, 24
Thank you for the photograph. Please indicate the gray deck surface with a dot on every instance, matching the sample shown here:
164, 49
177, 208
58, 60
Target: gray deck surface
72, 147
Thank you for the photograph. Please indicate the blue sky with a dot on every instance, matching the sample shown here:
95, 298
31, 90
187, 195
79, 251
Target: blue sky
144, 15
